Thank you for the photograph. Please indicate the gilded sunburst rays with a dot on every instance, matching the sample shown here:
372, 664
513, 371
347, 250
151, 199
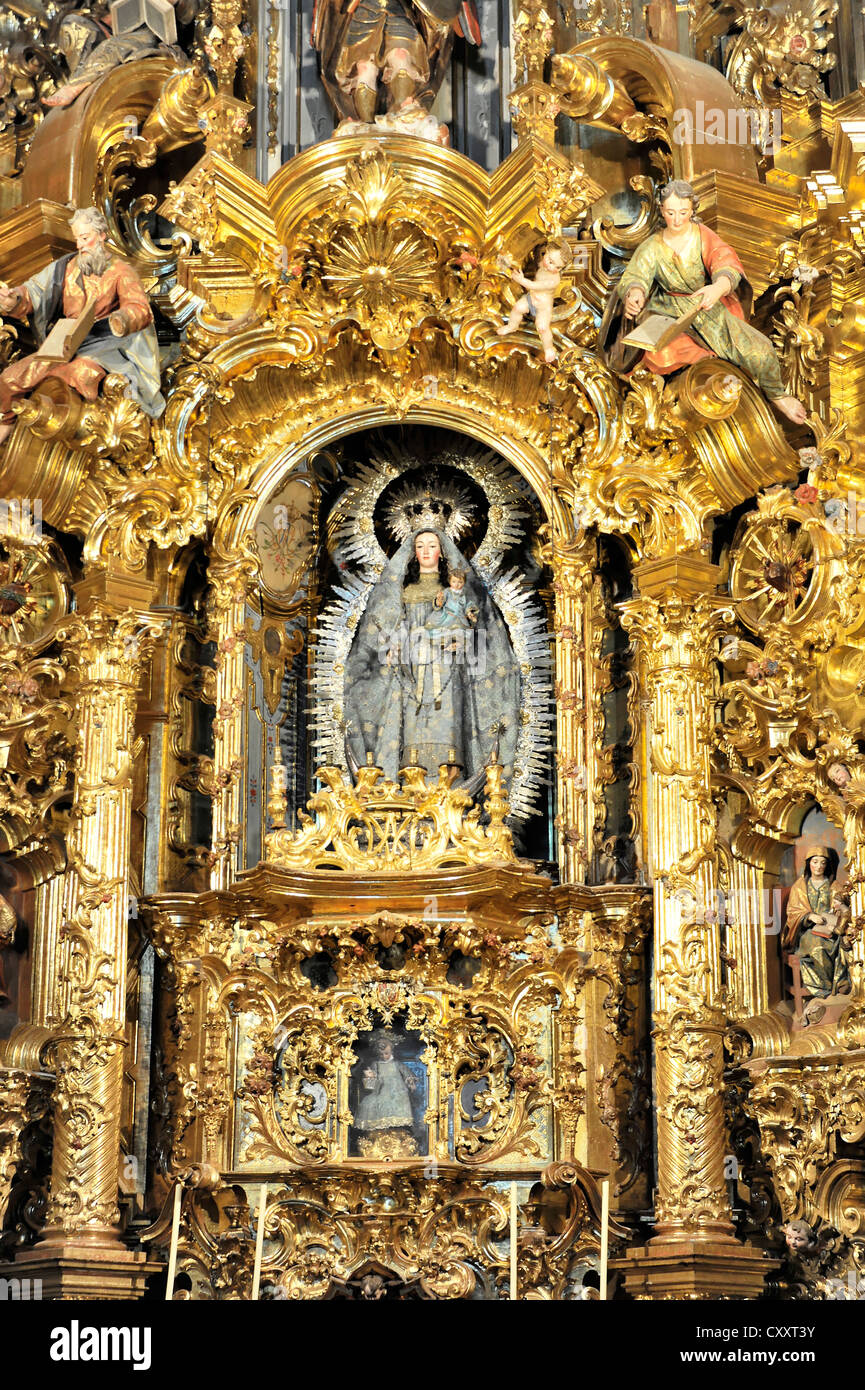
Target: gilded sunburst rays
775, 572
376, 268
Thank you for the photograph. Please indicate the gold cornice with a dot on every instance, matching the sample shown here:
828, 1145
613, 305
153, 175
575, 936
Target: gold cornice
751, 216
504, 893
115, 588
848, 147
32, 235
248, 214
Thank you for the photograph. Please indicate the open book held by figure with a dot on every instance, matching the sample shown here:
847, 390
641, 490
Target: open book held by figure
687, 272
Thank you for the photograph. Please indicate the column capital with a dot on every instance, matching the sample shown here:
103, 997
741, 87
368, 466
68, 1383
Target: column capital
110, 643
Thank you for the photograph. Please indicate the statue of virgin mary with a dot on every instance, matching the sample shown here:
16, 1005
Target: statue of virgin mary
431, 676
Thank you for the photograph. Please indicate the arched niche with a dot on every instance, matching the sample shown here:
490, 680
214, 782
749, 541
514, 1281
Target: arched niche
283, 628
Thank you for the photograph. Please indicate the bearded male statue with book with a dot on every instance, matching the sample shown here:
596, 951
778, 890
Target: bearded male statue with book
90, 313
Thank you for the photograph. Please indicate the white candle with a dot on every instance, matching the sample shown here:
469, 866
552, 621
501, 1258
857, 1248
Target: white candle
175, 1238
513, 1293
259, 1242
605, 1234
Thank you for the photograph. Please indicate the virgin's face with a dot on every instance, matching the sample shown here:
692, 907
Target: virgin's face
677, 212
818, 865
428, 551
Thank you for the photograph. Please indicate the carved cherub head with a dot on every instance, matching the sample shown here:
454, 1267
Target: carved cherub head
799, 1237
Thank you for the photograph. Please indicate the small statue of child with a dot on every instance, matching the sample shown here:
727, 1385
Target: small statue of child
539, 296
453, 607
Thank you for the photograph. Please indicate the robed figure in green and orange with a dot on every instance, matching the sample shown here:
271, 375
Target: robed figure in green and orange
682, 267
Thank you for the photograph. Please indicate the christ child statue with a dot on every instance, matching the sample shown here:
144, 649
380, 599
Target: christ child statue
452, 608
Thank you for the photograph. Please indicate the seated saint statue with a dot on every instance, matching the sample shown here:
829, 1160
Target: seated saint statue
670, 273
819, 929
92, 49
122, 338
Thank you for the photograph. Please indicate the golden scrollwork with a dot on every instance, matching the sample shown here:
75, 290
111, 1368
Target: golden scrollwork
775, 48
534, 999
397, 1234
383, 826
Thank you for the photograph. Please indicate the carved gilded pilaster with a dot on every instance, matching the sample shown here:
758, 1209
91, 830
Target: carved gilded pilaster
676, 622
107, 649
197, 1037
227, 613
50, 990
14, 1090
226, 118
749, 921
618, 1103
533, 102
572, 581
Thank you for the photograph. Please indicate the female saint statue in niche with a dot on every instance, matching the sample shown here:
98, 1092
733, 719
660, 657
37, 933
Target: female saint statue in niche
684, 267
431, 677
819, 929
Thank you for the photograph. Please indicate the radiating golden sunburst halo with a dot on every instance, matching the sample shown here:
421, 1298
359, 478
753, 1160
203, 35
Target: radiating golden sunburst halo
29, 597
379, 267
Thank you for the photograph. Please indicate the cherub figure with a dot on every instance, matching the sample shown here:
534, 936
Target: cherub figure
800, 1239
539, 296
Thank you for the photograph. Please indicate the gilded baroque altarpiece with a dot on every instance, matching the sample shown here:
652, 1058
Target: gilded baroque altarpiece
417, 941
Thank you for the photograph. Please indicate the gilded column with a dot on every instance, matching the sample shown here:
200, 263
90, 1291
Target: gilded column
227, 614
107, 649
572, 584
693, 1252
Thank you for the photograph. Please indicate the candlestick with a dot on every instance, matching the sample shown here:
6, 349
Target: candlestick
605, 1234
513, 1293
412, 757
259, 1242
175, 1239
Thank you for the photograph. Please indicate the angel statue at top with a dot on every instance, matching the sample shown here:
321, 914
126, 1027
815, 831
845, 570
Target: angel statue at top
402, 46
684, 267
